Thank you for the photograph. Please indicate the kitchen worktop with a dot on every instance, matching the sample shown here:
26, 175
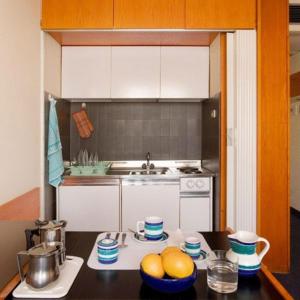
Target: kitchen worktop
115, 179
116, 174
96, 284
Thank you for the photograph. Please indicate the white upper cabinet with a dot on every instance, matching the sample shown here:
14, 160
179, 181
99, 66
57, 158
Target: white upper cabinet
86, 72
135, 72
184, 72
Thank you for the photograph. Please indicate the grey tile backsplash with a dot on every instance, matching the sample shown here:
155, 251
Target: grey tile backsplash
63, 109
127, 131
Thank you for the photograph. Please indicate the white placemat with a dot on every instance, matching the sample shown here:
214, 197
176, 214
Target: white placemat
57, 289
131, 256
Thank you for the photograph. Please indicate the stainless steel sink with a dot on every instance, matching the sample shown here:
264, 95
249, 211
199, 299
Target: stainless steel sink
118, 172
137, 171
156, 171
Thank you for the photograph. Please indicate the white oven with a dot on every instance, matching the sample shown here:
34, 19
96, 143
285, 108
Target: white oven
196, 211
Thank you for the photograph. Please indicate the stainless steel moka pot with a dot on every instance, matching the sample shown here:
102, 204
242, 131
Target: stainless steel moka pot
49, 232
43, 264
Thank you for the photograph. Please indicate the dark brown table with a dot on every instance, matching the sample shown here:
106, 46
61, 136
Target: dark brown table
94, 284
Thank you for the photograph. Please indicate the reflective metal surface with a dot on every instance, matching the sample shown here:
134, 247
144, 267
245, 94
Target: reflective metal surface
43, 265
137, 171
161, 171
49, 232
118, 171
131, 170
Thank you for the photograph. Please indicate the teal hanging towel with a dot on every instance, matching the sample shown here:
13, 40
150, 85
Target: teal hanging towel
56, 164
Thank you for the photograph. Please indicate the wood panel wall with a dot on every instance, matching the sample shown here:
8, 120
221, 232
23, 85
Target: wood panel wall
25, 207
225, 14
273, 132
136, 38
77, 14
149, 14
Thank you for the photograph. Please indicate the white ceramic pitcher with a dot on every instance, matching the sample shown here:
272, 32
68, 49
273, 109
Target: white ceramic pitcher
243, 245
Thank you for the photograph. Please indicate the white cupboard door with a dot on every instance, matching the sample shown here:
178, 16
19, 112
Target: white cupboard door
86, 72
195, 214
139, 202
135, 72
89, 208
185, 72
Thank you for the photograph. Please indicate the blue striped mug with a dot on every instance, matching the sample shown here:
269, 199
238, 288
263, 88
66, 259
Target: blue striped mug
107, 251
152, 228
192, 247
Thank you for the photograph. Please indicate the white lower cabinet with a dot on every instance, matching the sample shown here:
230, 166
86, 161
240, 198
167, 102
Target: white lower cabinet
89, 208
152, 199
195, 214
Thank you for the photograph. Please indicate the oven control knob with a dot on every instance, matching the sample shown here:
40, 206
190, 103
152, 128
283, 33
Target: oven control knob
190, 184
200, 184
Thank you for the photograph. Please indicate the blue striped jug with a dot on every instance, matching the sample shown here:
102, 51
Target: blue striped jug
243, 246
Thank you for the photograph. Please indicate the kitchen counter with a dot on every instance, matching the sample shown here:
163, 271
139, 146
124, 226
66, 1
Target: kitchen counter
95, 284
115, 178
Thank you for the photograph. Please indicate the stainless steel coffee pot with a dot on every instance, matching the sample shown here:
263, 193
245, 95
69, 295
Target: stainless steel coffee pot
49, 232
43, 265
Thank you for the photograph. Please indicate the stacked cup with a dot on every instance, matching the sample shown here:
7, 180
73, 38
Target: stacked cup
108, 251
192, 247
153, 228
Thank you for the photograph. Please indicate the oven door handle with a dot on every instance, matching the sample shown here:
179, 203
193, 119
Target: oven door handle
194, 194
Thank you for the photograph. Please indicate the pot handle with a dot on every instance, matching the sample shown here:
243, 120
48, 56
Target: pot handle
29, 233
19, 261
266, 248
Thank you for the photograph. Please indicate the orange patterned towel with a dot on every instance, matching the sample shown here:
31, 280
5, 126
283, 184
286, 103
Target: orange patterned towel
83, 123
89, 123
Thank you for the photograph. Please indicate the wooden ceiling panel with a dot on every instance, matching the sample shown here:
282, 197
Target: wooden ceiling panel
133, 38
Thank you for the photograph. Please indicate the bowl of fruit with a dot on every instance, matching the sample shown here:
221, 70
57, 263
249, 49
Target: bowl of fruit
171, 271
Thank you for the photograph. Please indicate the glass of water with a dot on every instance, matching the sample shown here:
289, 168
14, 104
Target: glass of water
222, 274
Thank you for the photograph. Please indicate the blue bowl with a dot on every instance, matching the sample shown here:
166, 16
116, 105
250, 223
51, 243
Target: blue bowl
169, 285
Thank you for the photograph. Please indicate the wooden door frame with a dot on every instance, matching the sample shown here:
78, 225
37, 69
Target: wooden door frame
273, 182
272, 146
273, 133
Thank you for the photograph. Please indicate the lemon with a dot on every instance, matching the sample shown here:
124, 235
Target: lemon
152, 265
169, 250
178, 264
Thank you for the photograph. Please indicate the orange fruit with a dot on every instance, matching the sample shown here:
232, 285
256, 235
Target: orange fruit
152, 265
178, 264
169, 250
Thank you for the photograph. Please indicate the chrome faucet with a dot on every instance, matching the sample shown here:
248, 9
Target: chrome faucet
148, 166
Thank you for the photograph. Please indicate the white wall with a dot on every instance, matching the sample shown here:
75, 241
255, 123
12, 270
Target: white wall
295, 63
215, 67
12, 241
295, 160
19, 97
52, 56
20, 110
52, 66
295, 141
